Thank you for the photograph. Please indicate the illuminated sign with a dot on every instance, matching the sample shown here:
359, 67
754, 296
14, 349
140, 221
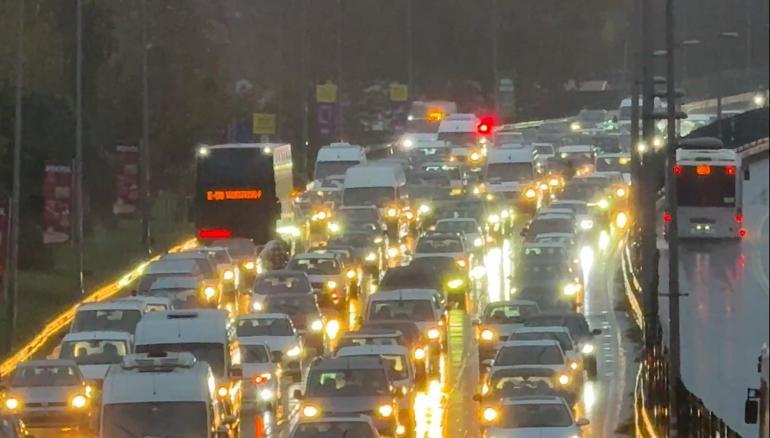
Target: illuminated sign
233, 195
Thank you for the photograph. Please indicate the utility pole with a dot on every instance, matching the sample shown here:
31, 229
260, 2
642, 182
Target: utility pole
495, 73
303, 88
410, 47
340, 111
634, 37
144, 181
12, 282
79, 207
673, 231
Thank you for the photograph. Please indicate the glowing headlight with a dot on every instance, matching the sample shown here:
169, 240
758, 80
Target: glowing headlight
209, 292
407, 143
409, 215
553, 182
222, 391
371, 257
332, 328
575, 126
490, 415
78, 401
587, 349
249, 266
475, 156
621, 220
603, 204
400, 430
478, 272
12, 403
621, 192
385, 410
455, 284
378, 240
462, 263
419, 354
530, 193
257, 306
229, 275
571, 289
310, 411
433, 334
493, 219
392, 212
333, 227
477, 242
294, 351
331, 284
424, 209
351, 274
564, 379
321, 215
317, 325
586, 224
573, 365
487, 335
266, 395
393, 252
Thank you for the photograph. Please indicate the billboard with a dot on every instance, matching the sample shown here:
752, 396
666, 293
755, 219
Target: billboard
57, 203
126, 180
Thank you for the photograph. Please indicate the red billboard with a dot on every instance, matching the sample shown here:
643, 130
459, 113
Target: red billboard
57, 198
126, 180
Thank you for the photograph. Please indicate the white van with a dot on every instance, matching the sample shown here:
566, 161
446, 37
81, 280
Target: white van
336, 158
374, 184
164, 394
459, 129
94, 352
117, 315
206, 333
511, 165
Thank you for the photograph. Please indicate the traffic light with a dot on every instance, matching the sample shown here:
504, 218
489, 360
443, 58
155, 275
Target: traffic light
485, 126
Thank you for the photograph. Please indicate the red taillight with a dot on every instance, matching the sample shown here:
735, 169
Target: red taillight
730, 170
739, 218
677, 170
667, 217
215, 233
485, 126
262, 378
703, 169
742, 232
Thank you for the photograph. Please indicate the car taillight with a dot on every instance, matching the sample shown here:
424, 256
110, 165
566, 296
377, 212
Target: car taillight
215, 233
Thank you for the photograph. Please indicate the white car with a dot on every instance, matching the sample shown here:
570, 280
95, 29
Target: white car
542, 353
556, 333
262, 374
531, 417
468, 227
94, 352
359, 427
278, 333
498, 320
583, 217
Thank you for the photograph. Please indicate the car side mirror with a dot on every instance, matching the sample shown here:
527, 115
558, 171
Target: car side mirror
582, 422
751, 411
236, 373
477, 397
747, 174
297, 395
596, 332
489, 363
277, 357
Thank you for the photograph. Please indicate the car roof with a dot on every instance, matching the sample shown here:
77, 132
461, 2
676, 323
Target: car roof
545, 244
351, 363
533, 400
553, 216
97, 335
537, 343
251, 316
366, 350
316, 255
133, 385
512, 303
48, 363
172, 266
189, 281
113, 305
404, 295
541, 329
576, 148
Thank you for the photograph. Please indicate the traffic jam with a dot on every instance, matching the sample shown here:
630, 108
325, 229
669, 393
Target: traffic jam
333, 311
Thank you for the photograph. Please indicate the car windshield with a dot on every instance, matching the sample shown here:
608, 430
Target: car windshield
355, 240
147, 280
544, 149
529, 355
577, 208
45, 375
561, 337
459, 138
510, 172
457, 227
397, 369
434, 246
290, 305
181, 298
213, 353
613, 164
578, 327
325, 169
347, 383
531, 415
379, 196
255, 354
334, 429
551, 225
315, 266
94, 352
353, 340
263, 327
283, 284
415, 310
502, 138
106, 320
509, 313
161, 419
451, 172
508, 386
543, 254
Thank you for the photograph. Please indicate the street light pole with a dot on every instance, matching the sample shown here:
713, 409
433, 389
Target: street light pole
12, 286
144, 182
340, 111
410, 47
495, 72
79, 207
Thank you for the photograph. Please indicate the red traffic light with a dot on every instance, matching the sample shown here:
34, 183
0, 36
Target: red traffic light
485, 125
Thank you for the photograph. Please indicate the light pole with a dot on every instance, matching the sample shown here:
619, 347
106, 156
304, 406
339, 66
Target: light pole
79, 207
340, 111
410, 47
495, 72
12, 277
144, 181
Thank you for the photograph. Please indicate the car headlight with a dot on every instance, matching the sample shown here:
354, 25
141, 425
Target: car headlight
587, 348
477, 242
294, 351
475, 156
419, 354
393, 252
433, 333
543, 186
331, 284
385, 410
493, 219
407, 143
378, 239
490, 415
553, 182
209, 292
621, 220
455, 284
371, 257
266, 395
320, 215
575, 126
424, 209
530, 193
333, 227
317, 325
351, 274
392, 212
571, 289
310, 411
621, 192
12, 403
257, 306
229, 275
262, 378
563, 379
332, 328
78, 402
487, 335
462, 263
478, 272
603, 204
249, 266
586, 224
222, 391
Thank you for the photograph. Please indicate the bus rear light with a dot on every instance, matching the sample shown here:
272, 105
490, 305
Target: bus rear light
703, 170
742, 232
215, 233
730, 170
667, 217
677, 170
739, 218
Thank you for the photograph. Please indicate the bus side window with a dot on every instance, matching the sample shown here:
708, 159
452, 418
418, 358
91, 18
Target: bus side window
747, 174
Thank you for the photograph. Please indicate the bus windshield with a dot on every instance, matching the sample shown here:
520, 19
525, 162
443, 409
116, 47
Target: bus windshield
325, 169
715, 189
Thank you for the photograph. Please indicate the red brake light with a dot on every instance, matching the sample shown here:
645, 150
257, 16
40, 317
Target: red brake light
215, 233
677, 170
667, 217
703, 169
739, 218
262, 378
730, 170
742, 232
485, 126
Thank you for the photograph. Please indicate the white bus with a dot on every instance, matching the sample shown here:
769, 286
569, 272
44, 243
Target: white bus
709, 183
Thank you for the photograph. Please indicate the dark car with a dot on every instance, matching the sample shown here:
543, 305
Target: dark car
578, 328
305, 315
410, 277
282, 283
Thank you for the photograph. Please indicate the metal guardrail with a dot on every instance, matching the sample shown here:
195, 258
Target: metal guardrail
60, 322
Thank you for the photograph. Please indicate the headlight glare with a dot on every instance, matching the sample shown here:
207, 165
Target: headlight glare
294, 351
490, 415
385, 410
587, 348
433, 334
487, 335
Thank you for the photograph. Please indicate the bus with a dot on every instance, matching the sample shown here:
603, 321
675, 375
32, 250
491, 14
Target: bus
709, 187
242, 190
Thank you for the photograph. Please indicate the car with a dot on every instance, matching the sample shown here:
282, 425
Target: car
359, 426
262, 375
468, 227
560, 335
578, 328
580, 158
547, 274
327, 277
351, 385
243, 252
531, 417
94, 352
306, 317
409, 277
448, 244
227, 267
366, 250
497, 321
277, 331
542, 353
580, 210
114, 315
49, 394
279, 283
184, 292
401, 369
549, 223
188, 265
521, 381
